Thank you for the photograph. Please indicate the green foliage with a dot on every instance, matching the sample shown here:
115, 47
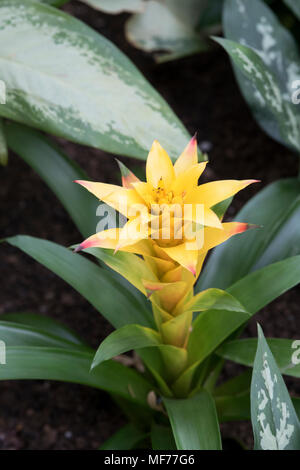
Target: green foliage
194, 422
274, 420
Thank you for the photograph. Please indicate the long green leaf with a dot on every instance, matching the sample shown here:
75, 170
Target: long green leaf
27, 335
194, 422
58, 172
67, 365
97, 285
46, 324
125, 339
43, 349
83, 88
243, 351
261, 287
274, 420
277, 239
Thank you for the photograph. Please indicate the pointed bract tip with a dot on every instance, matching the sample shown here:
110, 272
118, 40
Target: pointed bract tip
192, 269
78, 248
117, 249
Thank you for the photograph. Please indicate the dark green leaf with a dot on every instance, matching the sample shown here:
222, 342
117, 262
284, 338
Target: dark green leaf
43, 323
261, 287
73, 365
97, 285
243, 351
125, 339
194, 422
162, 438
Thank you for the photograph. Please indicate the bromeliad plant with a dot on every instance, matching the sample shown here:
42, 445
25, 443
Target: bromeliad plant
192, 325
172, 226
171, 400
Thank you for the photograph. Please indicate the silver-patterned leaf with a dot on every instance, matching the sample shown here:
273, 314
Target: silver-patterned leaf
276, 112
68, 80
254, 25
274, 419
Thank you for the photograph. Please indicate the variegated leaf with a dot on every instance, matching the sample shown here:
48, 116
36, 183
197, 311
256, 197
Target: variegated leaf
66, 79
274, 420
254, 25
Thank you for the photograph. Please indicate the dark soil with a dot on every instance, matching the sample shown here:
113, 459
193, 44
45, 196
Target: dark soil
203, 93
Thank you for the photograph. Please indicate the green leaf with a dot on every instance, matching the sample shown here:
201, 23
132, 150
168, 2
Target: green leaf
58, 171
294, 6
168, 26
243, 351
210, 329
236, 385
125, 339
267, 87
3, 146
233, 408
67, 365
277, 239
194, 422
83, 89
216, 299
48, 351
125, 438
261, 287
116, 6
162, 437
278, 50
274, 420
27, 335
97, 285
45, 324
237, 407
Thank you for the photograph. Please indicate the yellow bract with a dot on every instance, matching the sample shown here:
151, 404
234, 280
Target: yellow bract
172, 225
